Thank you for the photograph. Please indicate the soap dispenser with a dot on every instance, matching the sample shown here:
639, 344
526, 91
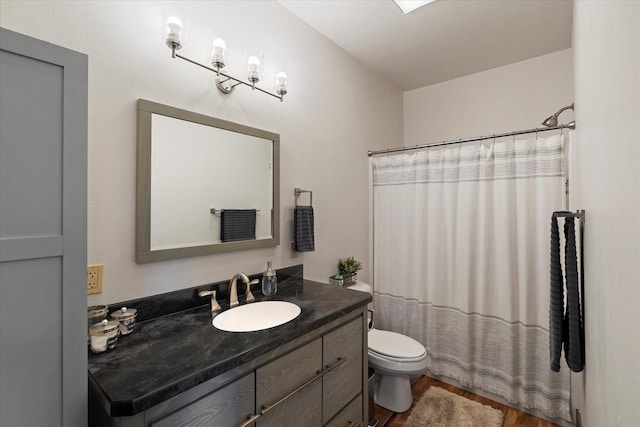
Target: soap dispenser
269, 281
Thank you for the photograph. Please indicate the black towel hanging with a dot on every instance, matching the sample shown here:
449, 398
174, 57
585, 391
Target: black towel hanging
237, 224
556, 304
303, 224
573, 330
565, 322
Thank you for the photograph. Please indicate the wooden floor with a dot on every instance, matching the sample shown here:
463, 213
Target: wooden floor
512, 417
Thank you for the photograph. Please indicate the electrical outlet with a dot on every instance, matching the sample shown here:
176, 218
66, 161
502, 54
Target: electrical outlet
94, 279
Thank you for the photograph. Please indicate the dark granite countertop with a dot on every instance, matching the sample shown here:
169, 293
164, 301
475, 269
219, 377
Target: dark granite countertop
167, 355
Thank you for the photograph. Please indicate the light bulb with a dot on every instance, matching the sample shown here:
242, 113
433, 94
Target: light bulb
254, 62
175, 25
219, 46
282, 80
174, 32
217, 53
254, 65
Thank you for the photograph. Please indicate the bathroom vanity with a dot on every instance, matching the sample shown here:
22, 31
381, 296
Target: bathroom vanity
178, 370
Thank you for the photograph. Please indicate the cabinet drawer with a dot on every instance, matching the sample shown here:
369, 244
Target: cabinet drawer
343, 384
228, 406
279, 378
350, 416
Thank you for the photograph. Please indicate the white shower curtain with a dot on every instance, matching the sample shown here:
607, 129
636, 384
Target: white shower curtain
461, 262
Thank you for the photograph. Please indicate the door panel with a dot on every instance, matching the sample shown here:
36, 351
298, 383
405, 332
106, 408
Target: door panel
43, 233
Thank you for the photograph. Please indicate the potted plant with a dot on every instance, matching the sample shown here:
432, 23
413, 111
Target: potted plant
349, 267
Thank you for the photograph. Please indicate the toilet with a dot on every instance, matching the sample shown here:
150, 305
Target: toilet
395, 358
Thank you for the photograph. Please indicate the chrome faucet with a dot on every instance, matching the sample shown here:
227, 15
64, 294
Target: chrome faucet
233, 293
214, 304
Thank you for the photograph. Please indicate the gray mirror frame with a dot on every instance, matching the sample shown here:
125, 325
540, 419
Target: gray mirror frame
144, 254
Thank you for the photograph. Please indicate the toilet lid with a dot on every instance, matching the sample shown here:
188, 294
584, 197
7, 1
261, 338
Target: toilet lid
393, 344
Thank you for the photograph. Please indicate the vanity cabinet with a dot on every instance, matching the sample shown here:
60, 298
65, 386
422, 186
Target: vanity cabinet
344, 383
350, 415
228, 406
314, 382
281, 378
318, 379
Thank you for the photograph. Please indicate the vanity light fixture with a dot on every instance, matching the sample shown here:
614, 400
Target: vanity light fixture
218, 56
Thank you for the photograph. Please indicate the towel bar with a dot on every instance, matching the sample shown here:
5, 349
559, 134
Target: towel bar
215, 211
577, 214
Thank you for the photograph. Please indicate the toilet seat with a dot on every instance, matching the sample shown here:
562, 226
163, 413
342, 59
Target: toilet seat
394, 346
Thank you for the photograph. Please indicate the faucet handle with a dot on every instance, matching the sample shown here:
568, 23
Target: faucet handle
214, 304
249, 296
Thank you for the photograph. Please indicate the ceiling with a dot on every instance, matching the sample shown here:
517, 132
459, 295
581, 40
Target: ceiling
443, 40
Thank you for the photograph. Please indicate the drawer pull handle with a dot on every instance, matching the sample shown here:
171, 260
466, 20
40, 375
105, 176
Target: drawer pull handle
265, 409
338, 363
250, 420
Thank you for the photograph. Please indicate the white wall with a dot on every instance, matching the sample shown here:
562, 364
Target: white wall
606, 44
335, 111
513, 97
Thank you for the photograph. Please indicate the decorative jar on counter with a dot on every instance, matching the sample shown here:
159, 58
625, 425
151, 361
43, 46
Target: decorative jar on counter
104, 335
126, 317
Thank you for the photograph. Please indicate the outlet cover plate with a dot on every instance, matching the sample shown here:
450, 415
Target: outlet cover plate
94, 279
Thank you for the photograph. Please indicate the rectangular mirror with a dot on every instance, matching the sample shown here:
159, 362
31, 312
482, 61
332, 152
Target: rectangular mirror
198, 175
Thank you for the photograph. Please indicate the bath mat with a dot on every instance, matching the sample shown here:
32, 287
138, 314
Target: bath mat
440, 408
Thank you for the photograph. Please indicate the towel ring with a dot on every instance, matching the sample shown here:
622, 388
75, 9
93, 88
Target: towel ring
298, 191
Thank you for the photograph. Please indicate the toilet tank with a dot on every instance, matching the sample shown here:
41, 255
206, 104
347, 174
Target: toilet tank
363, 287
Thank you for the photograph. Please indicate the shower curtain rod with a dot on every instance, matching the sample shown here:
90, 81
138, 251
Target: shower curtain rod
570, 125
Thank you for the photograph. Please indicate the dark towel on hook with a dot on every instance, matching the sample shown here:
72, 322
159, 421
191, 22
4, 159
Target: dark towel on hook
237, 224
303, 228
556, 304
573, 332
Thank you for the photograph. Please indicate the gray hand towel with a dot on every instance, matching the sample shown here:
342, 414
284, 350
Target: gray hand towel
556, 305
237, 224
573, 332
303, 223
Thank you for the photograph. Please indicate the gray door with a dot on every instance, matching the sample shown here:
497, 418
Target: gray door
43, 223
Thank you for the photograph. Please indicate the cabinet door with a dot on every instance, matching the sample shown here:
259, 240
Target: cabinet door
279, 378
343, 384
350, 416
228, 406
43, 233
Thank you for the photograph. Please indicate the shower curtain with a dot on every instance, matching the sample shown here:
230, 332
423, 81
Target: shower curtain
461, 262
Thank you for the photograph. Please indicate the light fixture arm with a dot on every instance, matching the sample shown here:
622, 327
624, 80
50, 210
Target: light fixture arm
221, 84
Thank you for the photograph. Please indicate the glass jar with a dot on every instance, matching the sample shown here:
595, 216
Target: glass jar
104, 335
126, 317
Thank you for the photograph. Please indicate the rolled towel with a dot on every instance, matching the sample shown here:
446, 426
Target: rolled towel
573, 336
237, 224
556, 304
303, 223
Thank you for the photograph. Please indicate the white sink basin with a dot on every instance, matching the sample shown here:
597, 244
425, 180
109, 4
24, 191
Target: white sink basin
256, 316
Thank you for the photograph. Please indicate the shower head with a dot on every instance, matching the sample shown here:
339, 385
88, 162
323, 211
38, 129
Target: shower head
553, 120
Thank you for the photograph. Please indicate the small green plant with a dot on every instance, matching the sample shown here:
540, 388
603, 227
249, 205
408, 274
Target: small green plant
349, 265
